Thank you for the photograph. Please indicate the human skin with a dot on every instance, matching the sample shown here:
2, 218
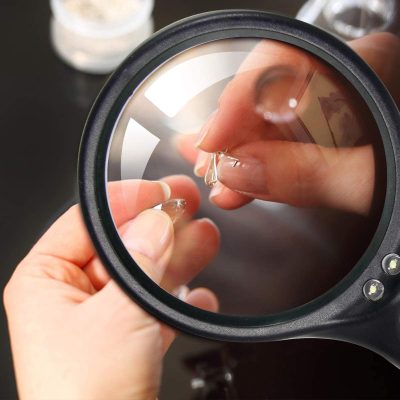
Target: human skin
263, 164
74, 333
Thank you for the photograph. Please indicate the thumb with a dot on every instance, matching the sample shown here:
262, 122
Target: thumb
149, 238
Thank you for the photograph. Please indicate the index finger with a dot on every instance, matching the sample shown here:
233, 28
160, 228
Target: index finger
68, 238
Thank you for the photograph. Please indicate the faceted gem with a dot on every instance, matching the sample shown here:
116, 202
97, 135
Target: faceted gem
175, 208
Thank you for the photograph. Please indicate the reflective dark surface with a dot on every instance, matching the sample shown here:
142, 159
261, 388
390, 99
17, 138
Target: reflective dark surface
287, 159
43, 109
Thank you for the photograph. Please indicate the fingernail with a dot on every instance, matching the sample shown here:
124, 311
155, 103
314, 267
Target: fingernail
217, 189
181, 292
243, 174
149, 234
208, 221
201, 163
205, 129
165, 188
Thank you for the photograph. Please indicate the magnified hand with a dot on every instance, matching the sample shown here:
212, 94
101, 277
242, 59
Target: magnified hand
74, 333
289, 130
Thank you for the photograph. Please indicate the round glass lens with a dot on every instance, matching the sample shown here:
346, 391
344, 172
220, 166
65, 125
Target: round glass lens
246, 173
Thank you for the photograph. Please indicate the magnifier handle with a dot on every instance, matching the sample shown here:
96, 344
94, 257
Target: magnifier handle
379, 332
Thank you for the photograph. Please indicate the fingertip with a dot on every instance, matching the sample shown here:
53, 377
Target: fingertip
185, 144
196, 245
149, 238
201, 164
203, 298
184, 187
227, 199
166, 189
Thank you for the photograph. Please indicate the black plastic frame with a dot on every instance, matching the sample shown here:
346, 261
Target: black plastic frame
342, 313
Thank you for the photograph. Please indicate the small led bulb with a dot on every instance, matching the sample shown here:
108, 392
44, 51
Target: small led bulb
373, 290
391, 264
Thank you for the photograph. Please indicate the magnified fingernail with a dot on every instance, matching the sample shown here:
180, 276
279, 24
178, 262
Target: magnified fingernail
205, 129
217, 189
244, 174
165, 188
174, 208
201, 163
150, 234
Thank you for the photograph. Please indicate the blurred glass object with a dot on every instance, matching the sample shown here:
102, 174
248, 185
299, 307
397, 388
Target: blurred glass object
95, 36
212, 375
351, 19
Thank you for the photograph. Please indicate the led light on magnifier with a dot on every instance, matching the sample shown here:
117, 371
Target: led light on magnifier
373, 290
391, 264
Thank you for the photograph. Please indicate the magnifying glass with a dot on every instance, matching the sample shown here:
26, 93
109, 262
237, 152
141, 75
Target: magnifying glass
279, 139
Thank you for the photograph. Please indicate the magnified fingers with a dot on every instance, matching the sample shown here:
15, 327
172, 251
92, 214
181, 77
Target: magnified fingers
220, 194
277, 83
149, 239
202, 163
382, 52
196, 244
183, 187
301, 174
146, 233
129, 197
258, 95
185, 144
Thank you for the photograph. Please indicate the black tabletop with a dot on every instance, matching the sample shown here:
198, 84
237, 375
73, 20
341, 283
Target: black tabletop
43, 108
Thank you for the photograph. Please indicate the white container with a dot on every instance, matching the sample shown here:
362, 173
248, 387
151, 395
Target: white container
96, 35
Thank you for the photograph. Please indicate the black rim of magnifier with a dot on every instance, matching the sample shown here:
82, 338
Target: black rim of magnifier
300, 321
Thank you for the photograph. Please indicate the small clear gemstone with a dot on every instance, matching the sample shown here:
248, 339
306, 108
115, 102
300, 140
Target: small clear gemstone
175, 208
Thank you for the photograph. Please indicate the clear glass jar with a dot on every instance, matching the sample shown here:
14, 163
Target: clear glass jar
352, 19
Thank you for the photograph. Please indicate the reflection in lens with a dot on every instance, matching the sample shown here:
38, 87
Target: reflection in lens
278, 92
